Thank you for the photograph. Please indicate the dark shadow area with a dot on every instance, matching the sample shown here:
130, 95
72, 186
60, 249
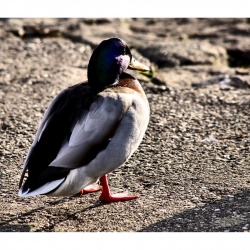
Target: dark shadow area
238, 58
7, 226
69, 216
228, 215
14, 228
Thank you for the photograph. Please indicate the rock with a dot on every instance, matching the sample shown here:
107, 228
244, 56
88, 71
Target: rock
180, 53
235, 82
224, 81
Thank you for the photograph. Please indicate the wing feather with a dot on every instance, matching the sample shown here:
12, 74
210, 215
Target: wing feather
92, 131
53, 131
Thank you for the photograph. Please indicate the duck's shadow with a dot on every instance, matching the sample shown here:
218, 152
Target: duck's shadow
230, 214
9, 226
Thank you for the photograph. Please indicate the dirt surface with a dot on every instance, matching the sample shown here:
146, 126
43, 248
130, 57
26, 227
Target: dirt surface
192, 170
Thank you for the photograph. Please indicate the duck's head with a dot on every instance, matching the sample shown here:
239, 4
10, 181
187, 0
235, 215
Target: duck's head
108, 61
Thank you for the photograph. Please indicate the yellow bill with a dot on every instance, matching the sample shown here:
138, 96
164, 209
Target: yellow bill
138, 66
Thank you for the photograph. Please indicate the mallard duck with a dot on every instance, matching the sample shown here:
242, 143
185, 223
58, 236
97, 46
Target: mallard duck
89, 129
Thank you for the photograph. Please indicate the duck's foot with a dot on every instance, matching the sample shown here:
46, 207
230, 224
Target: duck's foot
116, 197
107, 197
90, 189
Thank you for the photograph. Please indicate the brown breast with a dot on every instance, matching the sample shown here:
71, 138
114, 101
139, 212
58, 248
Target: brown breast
128, 84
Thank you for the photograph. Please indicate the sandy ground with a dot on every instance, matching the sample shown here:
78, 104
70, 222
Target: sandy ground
191, 172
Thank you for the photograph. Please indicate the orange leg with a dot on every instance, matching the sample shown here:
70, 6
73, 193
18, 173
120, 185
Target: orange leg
90, 189
107, 197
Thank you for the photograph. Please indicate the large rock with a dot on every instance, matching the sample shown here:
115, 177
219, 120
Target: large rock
179, 53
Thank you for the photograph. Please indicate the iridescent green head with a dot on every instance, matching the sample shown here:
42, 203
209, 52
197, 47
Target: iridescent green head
108, 61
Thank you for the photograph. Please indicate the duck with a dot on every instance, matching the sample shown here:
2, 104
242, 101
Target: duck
89, 129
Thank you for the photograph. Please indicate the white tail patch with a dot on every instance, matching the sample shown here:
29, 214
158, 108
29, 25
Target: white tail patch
41, 190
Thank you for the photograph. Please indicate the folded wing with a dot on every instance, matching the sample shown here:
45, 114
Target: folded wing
71, 134
91, 133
